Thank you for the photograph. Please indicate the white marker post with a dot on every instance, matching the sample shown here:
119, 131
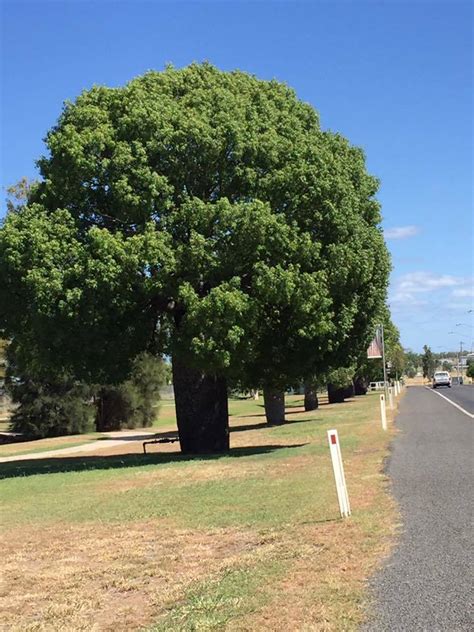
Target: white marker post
390, 397
383, 416
395, 388
399, 387
338, 470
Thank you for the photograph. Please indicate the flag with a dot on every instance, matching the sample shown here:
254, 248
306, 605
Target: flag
375, 348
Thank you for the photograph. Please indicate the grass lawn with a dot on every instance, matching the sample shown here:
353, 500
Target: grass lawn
247, 541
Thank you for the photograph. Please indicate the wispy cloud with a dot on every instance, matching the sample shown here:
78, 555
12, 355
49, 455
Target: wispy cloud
401, 232
415, 282
416, 289
464, 292
399, 299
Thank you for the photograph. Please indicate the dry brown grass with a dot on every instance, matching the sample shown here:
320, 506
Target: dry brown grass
84, 578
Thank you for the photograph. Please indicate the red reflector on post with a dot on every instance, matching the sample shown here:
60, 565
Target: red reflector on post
333, 439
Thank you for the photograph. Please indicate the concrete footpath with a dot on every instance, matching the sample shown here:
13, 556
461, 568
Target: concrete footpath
427, 584
113, 439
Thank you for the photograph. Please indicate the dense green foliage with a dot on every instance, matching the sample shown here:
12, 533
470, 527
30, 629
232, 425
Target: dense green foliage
412, 362
341, 378
50, 408
133, 403
55, 404
371, 369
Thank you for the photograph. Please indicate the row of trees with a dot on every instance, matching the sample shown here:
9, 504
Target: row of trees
204, 216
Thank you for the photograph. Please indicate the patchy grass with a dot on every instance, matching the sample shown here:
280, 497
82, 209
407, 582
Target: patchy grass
247, 541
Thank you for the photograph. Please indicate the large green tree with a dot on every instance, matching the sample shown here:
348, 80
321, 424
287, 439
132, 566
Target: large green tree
205, 215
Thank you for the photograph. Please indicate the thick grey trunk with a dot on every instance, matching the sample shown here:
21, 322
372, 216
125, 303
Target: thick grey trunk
335, 394
360, 386
201, 410
111, 410
274, 400
349, 391
310, 397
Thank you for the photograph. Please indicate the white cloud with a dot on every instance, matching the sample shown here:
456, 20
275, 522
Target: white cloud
414, 282
406, 291
402, 299
401, 232
399, 301
464, 292
456, 307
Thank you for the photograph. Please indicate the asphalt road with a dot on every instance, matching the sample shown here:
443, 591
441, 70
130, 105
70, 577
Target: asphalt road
427, 582
461, 395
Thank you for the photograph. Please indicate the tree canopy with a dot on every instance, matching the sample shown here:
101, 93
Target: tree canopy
201, 214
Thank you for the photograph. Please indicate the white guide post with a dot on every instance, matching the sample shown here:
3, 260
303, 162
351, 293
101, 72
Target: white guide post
338, 470
383, 415
399, 386
390, 397
395, 388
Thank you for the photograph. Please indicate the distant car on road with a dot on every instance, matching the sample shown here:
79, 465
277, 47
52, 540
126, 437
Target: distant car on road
441, 378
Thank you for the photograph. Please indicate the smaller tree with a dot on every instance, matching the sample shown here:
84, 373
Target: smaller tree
50, 409
340, 384
447, 366
428, 362
49, 404
132, 404
410, 371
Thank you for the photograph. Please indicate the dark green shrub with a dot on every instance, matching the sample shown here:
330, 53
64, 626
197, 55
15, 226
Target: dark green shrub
50, 409
132, 404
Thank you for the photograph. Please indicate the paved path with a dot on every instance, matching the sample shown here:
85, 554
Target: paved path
427, 583
113, 439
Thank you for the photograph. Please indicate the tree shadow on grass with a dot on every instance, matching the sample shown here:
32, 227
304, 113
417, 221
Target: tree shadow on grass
245, 416
263, 424
288, 411
55, 465
141, 437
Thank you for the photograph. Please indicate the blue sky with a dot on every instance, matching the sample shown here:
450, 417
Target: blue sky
394, 77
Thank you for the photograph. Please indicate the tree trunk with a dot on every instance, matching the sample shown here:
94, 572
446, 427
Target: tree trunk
349, 391
274, 400
360, 386
335, 394
201, 410
310, 397
111, 413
